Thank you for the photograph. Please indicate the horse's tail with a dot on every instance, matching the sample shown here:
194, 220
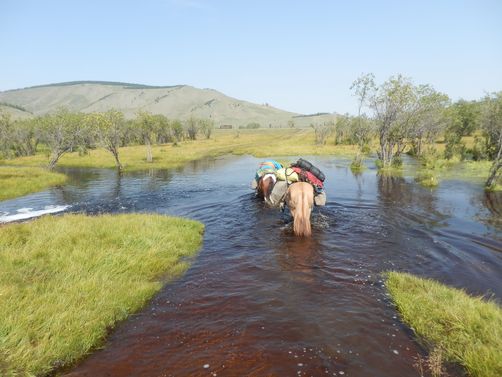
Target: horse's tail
301, 222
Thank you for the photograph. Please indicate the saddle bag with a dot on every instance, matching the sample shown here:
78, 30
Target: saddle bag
305, 165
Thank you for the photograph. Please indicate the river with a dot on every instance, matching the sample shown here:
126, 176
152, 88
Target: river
257, 301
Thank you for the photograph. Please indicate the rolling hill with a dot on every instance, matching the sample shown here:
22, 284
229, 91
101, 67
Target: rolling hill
175, 102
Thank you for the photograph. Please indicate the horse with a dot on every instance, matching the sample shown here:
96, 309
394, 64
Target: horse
264, 187
300, 200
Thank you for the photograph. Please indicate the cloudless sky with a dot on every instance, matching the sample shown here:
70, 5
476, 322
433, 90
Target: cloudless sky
300, 56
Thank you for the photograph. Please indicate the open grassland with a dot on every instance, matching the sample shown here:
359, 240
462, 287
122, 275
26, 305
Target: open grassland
260, 143
18, 181
452, 324
65, 281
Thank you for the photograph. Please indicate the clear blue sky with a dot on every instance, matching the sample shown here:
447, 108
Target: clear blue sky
296, 55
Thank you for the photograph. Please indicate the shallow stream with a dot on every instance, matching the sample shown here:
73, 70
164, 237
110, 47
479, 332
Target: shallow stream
258, 301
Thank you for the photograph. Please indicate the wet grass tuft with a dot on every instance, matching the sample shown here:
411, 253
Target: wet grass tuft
18, 181
450, 323
65, 281
427, 178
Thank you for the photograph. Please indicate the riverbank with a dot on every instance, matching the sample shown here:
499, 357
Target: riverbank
454, 326
66, 281
259, 143
19, 181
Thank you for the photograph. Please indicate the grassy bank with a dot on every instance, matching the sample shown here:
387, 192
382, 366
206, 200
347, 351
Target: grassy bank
64, 281
453, 325
17, 181
260, 143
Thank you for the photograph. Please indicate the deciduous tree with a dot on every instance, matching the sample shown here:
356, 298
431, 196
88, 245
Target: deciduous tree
491, 123
146, 129
206, 126
109, 131
61, 132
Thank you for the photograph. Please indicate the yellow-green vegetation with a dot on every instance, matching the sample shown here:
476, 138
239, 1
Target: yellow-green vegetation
65, 281
357, 164
389, 171
259, 143
476, 171
427, 178
18, 181
494, 188
431, 164
461, 328
470, 169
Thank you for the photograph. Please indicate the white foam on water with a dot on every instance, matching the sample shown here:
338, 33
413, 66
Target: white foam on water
28, 213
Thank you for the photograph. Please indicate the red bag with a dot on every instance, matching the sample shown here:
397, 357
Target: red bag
307, 176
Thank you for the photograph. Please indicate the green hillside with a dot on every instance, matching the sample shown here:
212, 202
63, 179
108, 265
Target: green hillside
179, 102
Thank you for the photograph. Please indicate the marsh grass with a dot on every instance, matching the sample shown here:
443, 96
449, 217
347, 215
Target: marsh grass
65, 281
18, 181
357, 164
453, 325
427, 178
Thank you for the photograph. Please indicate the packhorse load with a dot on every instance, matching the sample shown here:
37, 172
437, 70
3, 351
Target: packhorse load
307, 166
272, 180
300, 187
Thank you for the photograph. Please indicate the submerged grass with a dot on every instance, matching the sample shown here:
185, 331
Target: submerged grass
463, 329
18, 181
65, 281
427, 178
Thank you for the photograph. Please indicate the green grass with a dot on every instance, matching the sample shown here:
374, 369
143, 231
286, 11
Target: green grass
476, 171
427, 178
495, 187
65, 281
464, 329
18, 181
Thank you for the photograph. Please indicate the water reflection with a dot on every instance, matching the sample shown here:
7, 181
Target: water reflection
493, 202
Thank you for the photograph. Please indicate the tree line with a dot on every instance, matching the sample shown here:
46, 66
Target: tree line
409, 118
65, 131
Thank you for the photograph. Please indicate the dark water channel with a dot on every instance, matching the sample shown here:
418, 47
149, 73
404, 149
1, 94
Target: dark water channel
259, 302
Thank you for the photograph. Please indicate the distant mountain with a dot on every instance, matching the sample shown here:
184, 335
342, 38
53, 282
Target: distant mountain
176, 102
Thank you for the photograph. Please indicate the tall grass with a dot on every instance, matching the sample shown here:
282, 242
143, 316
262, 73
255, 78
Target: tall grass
460, 328
64, 281
18, 181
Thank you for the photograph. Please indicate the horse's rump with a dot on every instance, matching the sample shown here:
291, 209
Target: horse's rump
300, 199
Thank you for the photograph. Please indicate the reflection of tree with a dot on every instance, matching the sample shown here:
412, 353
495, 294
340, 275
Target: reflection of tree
358, 175
106, 185
157, 178
103, 184
393, 189
201, 165
397, 194
493, 202
81, 178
